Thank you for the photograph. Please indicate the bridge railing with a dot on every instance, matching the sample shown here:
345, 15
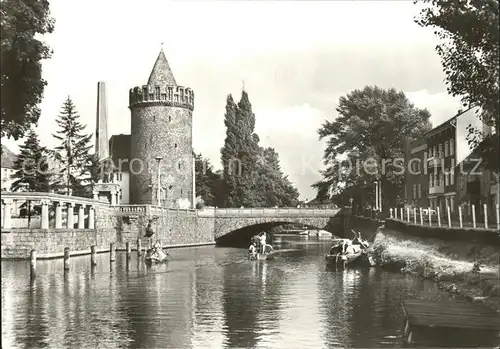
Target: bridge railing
268, 212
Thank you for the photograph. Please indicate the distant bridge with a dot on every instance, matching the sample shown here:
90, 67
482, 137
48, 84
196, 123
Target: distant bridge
245, 221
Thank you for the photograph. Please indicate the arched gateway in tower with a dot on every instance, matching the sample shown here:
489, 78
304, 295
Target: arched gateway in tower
161, 126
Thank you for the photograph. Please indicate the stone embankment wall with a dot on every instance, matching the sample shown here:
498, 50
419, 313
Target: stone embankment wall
173, 228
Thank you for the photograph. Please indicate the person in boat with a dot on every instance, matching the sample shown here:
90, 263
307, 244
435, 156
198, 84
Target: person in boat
263, 238
358, 240
149, 233
345, 245
252, 251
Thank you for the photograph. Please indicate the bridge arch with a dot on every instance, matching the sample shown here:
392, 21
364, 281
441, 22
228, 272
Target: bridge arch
231, 230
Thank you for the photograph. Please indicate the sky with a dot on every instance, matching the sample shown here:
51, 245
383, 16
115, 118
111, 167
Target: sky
295, 59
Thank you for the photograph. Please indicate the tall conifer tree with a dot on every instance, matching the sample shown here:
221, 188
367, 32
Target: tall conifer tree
31, 165
73, 151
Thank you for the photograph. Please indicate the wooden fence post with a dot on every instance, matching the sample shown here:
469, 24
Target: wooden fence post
112, 252
33, 264
485, 216
498, 216
438, 216
408, 214
460, 216
66, 258
449, 216
129, 249
474, 216
93, 255
421, 216
415, 215
390, 213
430, 217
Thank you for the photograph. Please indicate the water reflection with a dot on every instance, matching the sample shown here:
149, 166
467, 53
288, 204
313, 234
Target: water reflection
204, 298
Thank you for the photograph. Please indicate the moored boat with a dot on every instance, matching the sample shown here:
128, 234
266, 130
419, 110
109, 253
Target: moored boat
347, 251
156, 255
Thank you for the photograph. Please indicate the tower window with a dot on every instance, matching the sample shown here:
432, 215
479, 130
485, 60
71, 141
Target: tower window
179, 165
144, 145
157, 90
145, 93
169, 118
154, 117
170, 89
181, 191
151, 139
175, 145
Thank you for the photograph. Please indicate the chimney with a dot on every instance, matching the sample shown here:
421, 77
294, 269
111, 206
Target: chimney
101, 132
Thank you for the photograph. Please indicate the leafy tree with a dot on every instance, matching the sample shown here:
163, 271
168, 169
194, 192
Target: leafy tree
206, 180
73, 152
32, 167
372, 126
277, 188
229, 153
21, 78
469, 51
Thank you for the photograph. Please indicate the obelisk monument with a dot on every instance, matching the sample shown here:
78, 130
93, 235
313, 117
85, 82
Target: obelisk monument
101, 127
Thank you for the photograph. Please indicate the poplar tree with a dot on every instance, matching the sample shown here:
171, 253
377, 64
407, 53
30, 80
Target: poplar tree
229, 153
31, 165
73, 151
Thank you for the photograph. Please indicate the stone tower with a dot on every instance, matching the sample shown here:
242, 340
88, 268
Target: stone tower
161, 126
101, 125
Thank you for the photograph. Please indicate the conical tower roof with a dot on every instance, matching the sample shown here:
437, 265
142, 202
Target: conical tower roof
161, 74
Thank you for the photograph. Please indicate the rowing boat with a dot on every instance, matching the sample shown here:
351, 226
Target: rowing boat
343, 259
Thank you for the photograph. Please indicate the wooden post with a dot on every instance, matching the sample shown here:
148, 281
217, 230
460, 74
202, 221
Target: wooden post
498, 216
439, 216
402, 215
33, 264
93, 255
460, 216
395, 213
112, 252
485, 216
129, 249
449, 216
473, 216
408, 214
139, 247
421, 216
390, 213
66, 258
430, 217
415, 215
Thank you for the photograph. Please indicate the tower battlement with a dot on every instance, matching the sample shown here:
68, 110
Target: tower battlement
167, 95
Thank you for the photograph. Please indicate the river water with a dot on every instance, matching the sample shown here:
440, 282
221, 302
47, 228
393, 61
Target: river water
206, 297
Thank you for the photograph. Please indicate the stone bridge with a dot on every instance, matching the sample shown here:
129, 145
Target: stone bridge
242, 223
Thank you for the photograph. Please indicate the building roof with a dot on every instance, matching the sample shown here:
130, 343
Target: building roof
119, 148
161, 74
451, 122
8, 158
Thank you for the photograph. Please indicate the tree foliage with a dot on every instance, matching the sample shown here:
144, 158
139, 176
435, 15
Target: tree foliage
252, 175
469, 49
373, 125
21, 77
207, 181
32, 167
73, 153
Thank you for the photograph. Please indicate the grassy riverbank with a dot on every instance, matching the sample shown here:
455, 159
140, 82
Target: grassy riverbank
450, 264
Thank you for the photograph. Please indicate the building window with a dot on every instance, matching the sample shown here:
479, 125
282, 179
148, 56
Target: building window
446, 149
452, 147
145, 93
446, 178
452, 178
419, 190
414, 191
441, 150
452, 203
157, 90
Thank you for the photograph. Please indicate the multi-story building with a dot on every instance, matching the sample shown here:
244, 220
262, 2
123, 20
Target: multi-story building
449, 176
8, 159
441, 161
416, 181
